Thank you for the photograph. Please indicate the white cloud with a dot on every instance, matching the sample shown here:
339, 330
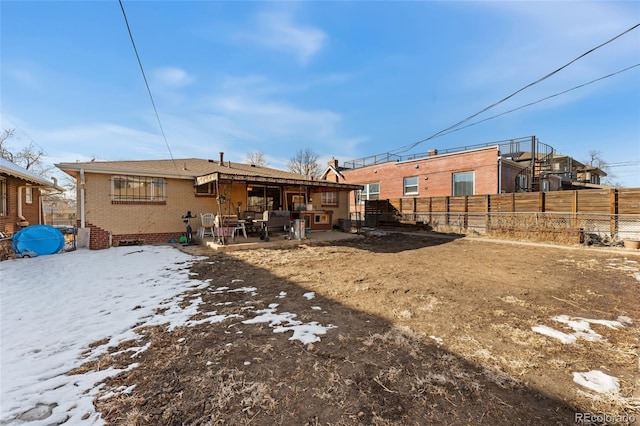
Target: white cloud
275, 30
538, 39
173, 77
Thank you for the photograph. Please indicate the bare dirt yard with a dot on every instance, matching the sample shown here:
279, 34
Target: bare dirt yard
419, 329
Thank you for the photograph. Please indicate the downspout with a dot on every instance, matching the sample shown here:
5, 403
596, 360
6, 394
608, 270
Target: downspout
82, 218
499, 174
19, 210
20, 188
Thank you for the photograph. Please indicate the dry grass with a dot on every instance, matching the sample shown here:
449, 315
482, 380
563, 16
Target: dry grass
433, 342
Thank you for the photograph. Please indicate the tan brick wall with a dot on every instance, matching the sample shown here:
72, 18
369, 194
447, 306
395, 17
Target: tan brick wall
341, 211
111, 222
142, 218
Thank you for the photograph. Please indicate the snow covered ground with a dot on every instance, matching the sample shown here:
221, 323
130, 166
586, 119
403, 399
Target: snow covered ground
594, 380
53, 307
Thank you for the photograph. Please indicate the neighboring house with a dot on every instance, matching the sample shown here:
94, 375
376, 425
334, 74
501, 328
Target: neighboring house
576, 175
492, 168
21, 197
59, 211
514, 165
145, 200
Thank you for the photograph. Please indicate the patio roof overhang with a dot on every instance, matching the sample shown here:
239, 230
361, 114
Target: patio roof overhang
232, 177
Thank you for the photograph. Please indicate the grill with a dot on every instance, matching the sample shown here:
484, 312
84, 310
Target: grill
274, 219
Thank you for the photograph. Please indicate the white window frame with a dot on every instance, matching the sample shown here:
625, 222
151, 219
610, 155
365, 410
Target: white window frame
367, 194
473, 182
329, 198
28, 195
409, 187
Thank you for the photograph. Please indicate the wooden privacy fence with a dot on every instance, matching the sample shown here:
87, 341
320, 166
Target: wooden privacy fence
610, 213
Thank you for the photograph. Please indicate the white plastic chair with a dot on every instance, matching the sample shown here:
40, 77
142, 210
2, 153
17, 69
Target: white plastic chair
207, 221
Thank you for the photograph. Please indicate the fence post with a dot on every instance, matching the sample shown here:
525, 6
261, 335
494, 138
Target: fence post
466, 211
613, 209
487, 201
541, 200
430, 209
446, 210
415, 209
574, 210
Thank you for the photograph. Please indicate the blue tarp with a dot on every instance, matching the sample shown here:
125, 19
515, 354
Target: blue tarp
41, 239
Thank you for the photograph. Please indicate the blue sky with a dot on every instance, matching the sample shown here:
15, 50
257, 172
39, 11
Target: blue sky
345, 79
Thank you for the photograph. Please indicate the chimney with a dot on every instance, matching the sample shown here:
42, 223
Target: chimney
333, 162
432, 152
221, 162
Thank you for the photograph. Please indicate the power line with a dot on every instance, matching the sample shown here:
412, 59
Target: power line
540, 100
144, 76
441, 132
4, 117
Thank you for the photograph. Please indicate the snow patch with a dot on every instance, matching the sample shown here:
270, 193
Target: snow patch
581, 328
598, 381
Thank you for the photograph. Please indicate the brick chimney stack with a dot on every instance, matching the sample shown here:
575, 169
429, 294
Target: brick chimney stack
221, 162
333, 162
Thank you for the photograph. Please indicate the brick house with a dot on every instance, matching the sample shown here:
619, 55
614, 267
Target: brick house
516, 165
21, 198
145, 200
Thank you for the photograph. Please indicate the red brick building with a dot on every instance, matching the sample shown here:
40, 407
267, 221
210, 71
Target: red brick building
500, 167
20, 197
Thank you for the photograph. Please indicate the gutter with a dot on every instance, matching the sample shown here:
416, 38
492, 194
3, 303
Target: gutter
499, 174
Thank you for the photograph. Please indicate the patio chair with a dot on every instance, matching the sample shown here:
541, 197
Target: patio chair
207, 222
225, 227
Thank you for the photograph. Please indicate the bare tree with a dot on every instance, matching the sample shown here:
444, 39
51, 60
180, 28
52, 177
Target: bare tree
29, 157
305, 163
596, 160
5, 150
256, 159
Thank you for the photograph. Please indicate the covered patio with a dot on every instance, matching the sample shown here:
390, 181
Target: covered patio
255, 204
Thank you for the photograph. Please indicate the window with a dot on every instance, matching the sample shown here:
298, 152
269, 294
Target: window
411, 185
329, 198
463, 183
3, 197
521, 181
138, 188
261, 198
371, 191
206, 189
28, 195
321, 218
